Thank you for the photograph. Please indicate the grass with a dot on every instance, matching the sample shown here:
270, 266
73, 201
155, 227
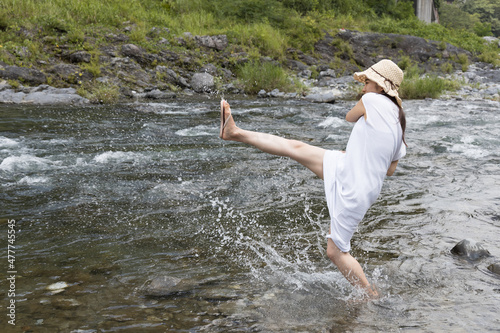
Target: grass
255, 76
35, 30
418, 86
98, 92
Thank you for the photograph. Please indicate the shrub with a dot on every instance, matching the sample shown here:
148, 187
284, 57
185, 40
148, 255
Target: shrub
426, 87
98, 92
255, 76
263, 37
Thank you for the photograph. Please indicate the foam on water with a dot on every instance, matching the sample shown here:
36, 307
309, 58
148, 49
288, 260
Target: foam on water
34, 180
200, 130
7, 143
118, 157
24, 163
332, 122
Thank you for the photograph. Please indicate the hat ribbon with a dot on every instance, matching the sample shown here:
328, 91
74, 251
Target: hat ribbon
393, 85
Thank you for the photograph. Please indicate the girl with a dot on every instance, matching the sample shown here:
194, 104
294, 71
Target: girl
353, 179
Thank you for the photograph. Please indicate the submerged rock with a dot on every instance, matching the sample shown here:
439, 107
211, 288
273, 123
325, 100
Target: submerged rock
470, 250
494, 268
165, 285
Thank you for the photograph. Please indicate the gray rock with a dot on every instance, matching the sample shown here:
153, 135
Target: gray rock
79, 56
306, 74
158, 94
470, 249
262, 93
218, 42
210, 69
328, 73
26, 75
494, 268
297, 65
43, 95
202, 82
133, 51
276, 93
164, 285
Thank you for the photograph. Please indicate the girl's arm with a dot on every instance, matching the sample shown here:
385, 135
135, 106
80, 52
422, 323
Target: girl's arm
392, 168
356, 112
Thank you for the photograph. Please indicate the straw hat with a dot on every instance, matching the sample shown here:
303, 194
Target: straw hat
386, 74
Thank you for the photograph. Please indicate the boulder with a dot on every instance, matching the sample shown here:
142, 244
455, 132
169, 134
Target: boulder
494, 268
79, 56
134, 52
202, 82
470, 249
25, 75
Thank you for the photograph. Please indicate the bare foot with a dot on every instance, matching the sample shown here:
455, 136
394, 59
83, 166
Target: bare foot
228, 126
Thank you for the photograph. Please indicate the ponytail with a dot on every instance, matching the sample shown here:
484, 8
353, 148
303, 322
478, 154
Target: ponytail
402, 116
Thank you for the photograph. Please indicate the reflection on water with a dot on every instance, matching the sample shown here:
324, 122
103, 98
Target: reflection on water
156, 225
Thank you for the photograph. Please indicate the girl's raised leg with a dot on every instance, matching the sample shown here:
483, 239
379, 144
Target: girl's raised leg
307, 155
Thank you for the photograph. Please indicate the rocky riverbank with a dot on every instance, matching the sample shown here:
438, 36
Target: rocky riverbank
209, 65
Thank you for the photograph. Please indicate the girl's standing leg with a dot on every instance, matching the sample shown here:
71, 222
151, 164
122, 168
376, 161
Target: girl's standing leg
350, 268
307, 155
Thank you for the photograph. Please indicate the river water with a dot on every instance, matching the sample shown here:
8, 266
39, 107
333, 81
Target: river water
149, 222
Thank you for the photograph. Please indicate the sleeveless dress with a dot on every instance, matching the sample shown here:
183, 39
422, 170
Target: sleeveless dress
353, 180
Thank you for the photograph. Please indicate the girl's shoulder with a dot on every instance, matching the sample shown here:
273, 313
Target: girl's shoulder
377, 100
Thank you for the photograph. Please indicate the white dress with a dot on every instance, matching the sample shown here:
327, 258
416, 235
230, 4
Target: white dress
353, 180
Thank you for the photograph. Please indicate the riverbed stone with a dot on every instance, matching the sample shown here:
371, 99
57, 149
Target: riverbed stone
42, 95
202, 82
470, 249
166, 285
494, 268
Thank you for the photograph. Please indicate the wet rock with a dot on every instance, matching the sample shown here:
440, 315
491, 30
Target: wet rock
58, 287
494, 268
165, 285
26, 75
470, 249
42, 95
202, 82
65, 303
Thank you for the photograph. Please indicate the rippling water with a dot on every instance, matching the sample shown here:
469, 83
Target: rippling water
111, 200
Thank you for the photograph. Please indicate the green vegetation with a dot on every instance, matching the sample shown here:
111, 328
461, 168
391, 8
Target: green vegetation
255, 76
98, 92
418, 86
33, 31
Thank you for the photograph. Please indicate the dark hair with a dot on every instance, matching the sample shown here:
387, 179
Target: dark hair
402, 116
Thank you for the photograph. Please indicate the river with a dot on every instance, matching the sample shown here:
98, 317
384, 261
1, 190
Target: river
109, 201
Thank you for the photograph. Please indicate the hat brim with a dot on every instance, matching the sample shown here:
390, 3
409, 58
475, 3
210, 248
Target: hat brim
381, 81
